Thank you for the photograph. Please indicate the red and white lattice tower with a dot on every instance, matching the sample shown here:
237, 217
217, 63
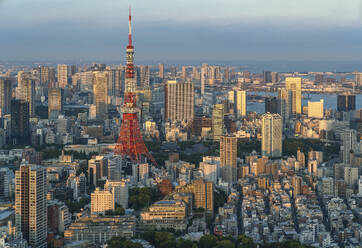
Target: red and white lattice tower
130, 142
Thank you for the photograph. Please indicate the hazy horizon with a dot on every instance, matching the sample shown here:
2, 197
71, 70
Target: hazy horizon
214, 30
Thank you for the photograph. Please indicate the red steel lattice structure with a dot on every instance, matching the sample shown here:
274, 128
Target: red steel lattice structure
130, 142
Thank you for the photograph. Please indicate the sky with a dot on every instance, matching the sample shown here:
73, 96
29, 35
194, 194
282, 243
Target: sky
187, 30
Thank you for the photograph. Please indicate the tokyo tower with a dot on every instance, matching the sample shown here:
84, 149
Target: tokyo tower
130, 142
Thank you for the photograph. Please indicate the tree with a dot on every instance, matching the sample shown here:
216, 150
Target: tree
245, 242
207, 241
225, 244
164, 240
184, 244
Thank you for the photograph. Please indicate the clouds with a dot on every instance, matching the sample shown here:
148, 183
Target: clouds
181, 30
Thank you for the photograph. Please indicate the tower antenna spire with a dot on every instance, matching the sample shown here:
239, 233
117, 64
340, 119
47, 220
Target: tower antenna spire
129, 28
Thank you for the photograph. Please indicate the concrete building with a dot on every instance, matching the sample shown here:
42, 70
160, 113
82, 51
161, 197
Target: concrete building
228, 158
97, 168
5, 95
119, 190
349, 141
101, 201
294, 84
179, 101
272, 136
351, 176
327, 184
31, 205
315, 109
55, 103
100, 92
217, 121
26, 90
62, 75
20, 125
161, 71
285, 104
346, 102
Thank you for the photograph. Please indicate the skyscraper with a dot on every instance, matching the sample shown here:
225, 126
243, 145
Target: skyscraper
5, 95
217, 121
271, 104
179, 101
267, 77
294, 84
161, 70
26, 89
20, 127
284, 103
271, 135
228, 158
55, 103
62, 75
100, 92
184, 73
31, 205
203, 78
346, 102
349, 139
44, 75
240, 103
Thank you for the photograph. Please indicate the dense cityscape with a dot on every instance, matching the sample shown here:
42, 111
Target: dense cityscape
162, 155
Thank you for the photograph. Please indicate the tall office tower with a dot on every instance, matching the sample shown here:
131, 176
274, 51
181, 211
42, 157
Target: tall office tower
294, 84
144, 77
203, 78
360, 186
119, 190
179, 101
228, 158
26, 89
297, 185
52, 79
114, 83
346, 102
44, 75
20, 126
272, 135
315, 109
5, 182
195, 73
73, 70
226, 75
267, 77
351, 176
240, 103
284, 104
349, 139
100, 92
275, 77
130, 142
62, 75
55, 103
271, 105
5, 95
184, 73
97, 168
161, 71
31, 205
358, 78
101, 201
173, 72
217, 121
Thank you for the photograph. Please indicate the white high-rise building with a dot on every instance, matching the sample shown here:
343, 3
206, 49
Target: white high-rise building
240, 103
144, 171
119, 190
349, 139
101, 201
272, 136
31, 205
